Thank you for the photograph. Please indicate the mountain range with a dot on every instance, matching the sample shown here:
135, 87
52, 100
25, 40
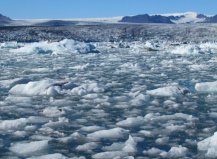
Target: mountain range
173, 18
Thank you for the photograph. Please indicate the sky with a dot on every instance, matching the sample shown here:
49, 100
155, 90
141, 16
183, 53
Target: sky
59, 9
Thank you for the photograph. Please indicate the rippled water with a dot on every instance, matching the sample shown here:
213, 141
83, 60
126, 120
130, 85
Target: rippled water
123, 76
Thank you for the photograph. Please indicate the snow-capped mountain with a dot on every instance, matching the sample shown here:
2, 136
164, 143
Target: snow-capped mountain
176, 18
188, 17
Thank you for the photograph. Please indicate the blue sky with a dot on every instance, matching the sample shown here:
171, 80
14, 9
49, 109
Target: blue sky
56, 9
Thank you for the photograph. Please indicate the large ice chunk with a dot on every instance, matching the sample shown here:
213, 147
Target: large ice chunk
209, 145
168, 91
206, 87
47, 87
64, 46
29, 148
8, 125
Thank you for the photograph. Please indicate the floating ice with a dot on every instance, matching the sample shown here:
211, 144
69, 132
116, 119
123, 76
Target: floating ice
17, 124
60, 121
131, 122
156, 117
187, 50
193, 49
89, 87
87, 147
63, 46
168, 91
13, 82
91, 128
177, 152
10, 45
206, 87
47, 87
29, 148
130, 146
209, 146
140, 99
44, 87
53, 112
110, 155
50, 156
154, 152
115, 133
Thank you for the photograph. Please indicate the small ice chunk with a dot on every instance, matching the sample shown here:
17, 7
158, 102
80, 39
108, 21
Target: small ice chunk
153, 117
87, 147
153, 152
86, 88
115, 133
53, 112
187, 50
168, 91
140, 99
162, 140
130, 146
61, 121
50, 156
117, 146
17, 124
110, 155
206, 87
177, 152
131, 122
29, 148
91, 129
20, 134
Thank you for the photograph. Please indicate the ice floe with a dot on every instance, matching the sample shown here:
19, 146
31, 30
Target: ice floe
111, 134
110, 155
168, 91
50, 156
131, 122
29, 148
53, 112
46, 47
209, 146
206, 87
11, 125
177, 152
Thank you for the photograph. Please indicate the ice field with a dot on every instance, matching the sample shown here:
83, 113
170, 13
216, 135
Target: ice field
108, 100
